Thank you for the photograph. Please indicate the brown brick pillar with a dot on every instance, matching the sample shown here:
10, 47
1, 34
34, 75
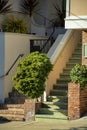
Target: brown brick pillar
73, 101
77, 101
84, 41
29, 109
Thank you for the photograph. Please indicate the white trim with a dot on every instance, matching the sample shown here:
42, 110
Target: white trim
67, 8
76, 22
56, 54
82, 17
85, 44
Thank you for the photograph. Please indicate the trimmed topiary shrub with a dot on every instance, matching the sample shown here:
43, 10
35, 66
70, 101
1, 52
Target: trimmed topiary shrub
78, 74
32, 74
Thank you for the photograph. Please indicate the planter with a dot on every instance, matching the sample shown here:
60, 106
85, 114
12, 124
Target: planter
29, 110
77, 101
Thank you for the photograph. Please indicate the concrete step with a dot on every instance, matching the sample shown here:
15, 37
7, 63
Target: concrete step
15, 100
78, 55
56, 86
11, 106
11, 117
58, 92
62, 85
63, 80
57, 99
71, 65
64, 75
75, 60
52, 111
56, 105
42, 117
12, 112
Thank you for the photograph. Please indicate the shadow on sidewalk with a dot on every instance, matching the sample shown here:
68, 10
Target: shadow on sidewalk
3, 120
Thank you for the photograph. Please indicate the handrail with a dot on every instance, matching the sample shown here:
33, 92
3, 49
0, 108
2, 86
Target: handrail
48, 39
21, 55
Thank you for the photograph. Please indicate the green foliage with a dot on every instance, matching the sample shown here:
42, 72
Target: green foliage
78, 74
32, 73
15, 25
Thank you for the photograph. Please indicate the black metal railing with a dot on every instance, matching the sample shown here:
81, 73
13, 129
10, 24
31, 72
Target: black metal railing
47, 46
41, 45
21, 55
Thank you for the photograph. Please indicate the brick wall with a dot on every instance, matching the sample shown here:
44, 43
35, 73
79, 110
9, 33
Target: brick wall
20, 112
77, 101
84, 41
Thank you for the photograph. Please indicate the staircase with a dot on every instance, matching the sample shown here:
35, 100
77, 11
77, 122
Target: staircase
13, 108
57, 102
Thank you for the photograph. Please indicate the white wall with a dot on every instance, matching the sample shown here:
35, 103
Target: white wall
11, 45
2, 65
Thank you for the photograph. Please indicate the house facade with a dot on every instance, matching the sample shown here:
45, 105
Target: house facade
76, 18
64, 53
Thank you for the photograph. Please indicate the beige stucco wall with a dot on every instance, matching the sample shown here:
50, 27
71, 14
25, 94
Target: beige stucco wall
62, 59
15, 44
78, 7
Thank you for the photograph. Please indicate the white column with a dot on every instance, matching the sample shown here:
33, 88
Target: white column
67, 8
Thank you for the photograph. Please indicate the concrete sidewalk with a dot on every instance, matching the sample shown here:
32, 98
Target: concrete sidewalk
80, 124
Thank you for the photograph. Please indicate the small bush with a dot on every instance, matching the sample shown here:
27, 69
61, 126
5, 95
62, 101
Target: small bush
15, 25
78, 74
32, 74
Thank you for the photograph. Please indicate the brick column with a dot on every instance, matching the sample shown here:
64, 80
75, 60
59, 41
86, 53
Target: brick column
83, 100
29, 109
73, 101
84, 41
77, 101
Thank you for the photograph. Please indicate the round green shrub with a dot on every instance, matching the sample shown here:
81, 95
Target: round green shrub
32, 73
78, 74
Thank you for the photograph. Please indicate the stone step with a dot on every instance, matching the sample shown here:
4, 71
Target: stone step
78, 48
62, 84
15, 100
63, 80
78, 55
67, 70
71, 65
64, 75
75, 60
12, 117
16, 94
11, 106
42, 117
58, 92
55, 105
57, 98
56, 86
52, 111
12, 111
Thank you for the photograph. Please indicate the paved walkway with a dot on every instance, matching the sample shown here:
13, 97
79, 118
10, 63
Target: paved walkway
80, 124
